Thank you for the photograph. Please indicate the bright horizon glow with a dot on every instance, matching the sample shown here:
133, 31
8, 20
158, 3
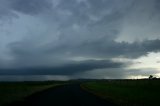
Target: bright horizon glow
149, 61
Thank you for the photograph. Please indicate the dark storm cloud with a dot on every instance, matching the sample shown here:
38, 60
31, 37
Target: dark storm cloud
5, 11
50, 34
41, 62
30, 54
8, 8
133, 50
157, 5
31, 7
93, 13
105, 48
67, 69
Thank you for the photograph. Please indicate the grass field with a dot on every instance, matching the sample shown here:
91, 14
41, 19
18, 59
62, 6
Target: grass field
127, 92
16, 91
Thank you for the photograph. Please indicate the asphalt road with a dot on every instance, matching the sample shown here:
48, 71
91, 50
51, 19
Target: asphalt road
66, 95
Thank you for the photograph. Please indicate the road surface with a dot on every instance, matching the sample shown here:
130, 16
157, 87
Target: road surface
66, 95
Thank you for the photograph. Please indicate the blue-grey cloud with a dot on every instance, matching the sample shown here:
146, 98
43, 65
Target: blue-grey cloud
31, 7
67, 69
50, 34
109, 48
26, 54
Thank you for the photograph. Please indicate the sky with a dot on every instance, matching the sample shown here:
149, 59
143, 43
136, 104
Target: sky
72, 39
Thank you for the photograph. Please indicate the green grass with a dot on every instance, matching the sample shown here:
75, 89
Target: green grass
127, 92
17, 91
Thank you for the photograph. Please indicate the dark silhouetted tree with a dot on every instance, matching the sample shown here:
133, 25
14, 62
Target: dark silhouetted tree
151, 77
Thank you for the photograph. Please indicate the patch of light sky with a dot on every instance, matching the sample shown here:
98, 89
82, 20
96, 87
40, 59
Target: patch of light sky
149, 61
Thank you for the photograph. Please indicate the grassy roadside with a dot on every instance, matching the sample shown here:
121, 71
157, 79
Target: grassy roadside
126, 92
17, 91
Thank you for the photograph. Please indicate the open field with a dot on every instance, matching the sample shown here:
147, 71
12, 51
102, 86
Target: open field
120, 92
127, 92
17, 91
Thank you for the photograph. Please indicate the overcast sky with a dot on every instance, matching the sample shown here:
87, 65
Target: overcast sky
65, 39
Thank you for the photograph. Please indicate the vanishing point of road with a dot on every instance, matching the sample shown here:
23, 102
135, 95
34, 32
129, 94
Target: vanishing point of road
65, 95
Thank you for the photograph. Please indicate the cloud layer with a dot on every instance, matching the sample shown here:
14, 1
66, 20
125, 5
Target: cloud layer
76, 36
